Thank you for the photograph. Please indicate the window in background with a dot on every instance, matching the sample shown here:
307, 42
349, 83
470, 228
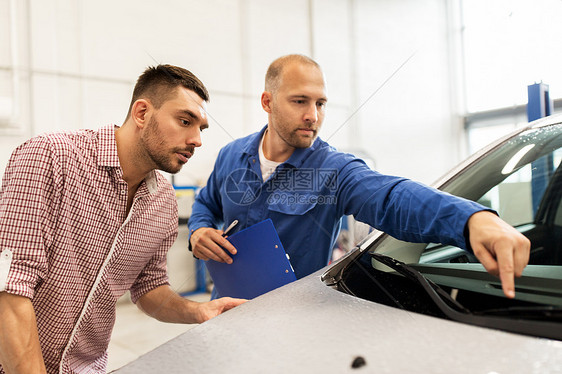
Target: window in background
507, 45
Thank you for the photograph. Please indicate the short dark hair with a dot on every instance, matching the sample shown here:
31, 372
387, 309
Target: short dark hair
158, 83
273, 75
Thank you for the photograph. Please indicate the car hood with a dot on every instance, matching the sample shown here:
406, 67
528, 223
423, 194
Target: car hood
308, 327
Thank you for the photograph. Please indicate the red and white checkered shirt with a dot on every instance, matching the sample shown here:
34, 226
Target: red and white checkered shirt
67, 243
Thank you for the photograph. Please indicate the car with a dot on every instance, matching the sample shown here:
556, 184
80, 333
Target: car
394, 307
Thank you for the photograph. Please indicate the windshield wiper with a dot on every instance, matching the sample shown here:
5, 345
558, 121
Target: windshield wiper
436, 293
507, 319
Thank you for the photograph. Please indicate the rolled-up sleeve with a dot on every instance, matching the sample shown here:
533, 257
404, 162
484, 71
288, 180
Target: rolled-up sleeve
28, 207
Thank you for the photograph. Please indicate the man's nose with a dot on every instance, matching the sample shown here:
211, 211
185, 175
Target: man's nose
311, 114
194, 137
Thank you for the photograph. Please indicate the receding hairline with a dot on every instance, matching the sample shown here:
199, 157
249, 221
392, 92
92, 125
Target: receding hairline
275, 69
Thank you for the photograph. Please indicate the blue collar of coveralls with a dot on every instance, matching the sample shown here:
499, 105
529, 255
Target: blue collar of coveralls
296, 160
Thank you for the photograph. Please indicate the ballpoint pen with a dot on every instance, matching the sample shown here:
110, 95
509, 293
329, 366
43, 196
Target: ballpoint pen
230, 227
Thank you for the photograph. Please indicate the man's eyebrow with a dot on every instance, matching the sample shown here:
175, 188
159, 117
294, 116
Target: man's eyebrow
307, 97
188, 113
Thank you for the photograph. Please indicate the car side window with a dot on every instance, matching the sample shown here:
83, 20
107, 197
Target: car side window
531, 200
517, 198
522, 181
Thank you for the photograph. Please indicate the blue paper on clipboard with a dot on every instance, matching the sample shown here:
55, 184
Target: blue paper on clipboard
259, 266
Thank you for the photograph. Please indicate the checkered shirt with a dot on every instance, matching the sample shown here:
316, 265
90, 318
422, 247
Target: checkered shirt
68, 244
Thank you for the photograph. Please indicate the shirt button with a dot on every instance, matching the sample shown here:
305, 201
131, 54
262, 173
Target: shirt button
122, 192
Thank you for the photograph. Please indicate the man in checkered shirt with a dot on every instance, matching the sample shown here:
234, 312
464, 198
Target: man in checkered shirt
85, 217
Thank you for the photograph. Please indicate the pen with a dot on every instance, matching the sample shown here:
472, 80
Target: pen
230, 227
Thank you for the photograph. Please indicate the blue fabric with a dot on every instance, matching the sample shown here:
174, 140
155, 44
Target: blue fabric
308, 194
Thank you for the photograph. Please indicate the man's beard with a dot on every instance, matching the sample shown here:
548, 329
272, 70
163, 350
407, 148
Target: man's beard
292, 138
155, 148
290, 135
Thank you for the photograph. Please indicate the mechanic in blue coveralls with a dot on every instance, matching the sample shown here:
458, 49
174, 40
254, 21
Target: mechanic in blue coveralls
287, 173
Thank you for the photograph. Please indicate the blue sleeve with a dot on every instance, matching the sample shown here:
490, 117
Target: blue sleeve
207, 208
402, 208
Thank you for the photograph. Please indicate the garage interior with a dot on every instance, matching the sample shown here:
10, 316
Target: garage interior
440, 77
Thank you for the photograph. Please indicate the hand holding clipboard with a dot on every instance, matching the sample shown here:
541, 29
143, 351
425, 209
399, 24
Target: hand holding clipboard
260, 264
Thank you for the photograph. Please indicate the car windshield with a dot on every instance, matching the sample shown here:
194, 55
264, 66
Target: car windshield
521, 179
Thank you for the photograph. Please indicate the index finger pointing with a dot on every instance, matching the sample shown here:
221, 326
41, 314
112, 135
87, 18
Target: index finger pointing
507, 274
521, 256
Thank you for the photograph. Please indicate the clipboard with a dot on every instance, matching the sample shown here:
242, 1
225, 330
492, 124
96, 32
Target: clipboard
259, 266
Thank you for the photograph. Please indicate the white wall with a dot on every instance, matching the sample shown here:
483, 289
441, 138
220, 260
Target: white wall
76, 63
407, 125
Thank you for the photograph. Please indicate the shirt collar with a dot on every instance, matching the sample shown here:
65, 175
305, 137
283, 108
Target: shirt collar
107, 148
108, 157
297, 158
151, 182
252, 144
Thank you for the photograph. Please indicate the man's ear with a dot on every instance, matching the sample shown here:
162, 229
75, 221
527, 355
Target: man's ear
139, 112
266, 97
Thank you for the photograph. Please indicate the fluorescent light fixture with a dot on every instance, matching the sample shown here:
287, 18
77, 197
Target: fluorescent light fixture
512, 163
